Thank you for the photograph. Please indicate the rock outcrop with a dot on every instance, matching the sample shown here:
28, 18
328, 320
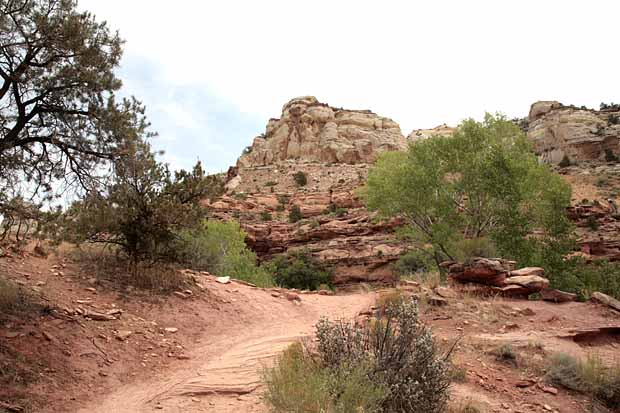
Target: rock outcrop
310, 131
333, 149
580, 134
420, 134
499, 276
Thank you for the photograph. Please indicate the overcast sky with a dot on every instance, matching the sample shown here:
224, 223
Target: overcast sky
213, 72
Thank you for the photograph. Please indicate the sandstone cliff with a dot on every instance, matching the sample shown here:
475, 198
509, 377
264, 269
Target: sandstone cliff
334, 149
312, 131
579, 133
441, 130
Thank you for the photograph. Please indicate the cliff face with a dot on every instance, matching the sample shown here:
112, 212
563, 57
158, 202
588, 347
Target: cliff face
335, 227
580, 134
333, 148
310, 131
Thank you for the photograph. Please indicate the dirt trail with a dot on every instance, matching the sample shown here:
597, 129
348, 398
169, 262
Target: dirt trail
223, 374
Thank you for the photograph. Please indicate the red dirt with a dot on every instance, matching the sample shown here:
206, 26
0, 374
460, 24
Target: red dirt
227, 332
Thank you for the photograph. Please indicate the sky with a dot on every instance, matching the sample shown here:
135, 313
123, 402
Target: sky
211, 73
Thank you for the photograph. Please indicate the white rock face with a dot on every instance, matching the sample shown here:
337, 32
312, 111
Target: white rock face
312, 131
581, 134
441, 130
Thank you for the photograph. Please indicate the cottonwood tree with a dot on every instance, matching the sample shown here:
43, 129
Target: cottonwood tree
482, 183
60, 123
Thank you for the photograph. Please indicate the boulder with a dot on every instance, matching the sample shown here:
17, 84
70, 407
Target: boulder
527, 271
606, 300
481, 271
445, 292
534, 283
557, 296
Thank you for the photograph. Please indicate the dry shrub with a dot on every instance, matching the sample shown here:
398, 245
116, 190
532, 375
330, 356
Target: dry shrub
15, 301
389, 298
468, 406
400, 354
506, 354
105, 264
588, 376
298, 383
390, 364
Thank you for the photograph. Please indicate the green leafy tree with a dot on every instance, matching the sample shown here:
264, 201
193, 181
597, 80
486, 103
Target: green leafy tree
481, 183
219, 247
143, 204
59, 119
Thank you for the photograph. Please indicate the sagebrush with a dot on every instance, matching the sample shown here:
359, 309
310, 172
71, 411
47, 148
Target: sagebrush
389, 364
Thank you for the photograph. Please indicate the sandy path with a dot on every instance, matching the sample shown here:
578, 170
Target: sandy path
223, 374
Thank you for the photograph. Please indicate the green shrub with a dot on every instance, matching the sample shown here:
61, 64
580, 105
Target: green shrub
588, 376
283, 199
298, 383
609, 156
399, 354
467, 249
592, 223
266, 216
300, 178
333, 209
271, 183
294, 214
565, 162
577, 276
483, 182
412, 262
298, 270
219, 247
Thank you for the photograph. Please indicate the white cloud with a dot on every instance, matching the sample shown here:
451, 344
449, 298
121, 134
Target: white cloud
422, 63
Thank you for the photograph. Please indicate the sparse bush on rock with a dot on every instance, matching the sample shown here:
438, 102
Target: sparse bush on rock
294, 214
300, 178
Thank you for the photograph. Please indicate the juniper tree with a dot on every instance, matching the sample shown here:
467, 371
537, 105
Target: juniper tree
60, 122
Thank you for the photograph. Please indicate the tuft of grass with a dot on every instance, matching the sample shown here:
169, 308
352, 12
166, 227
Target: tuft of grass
104, 264
467, 406
458, 374
588, 376
506, 354
389, 298
297, 383
428, 279
13, 300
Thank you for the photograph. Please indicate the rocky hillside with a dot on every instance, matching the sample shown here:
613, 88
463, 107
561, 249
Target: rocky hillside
333, 150
581, 134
